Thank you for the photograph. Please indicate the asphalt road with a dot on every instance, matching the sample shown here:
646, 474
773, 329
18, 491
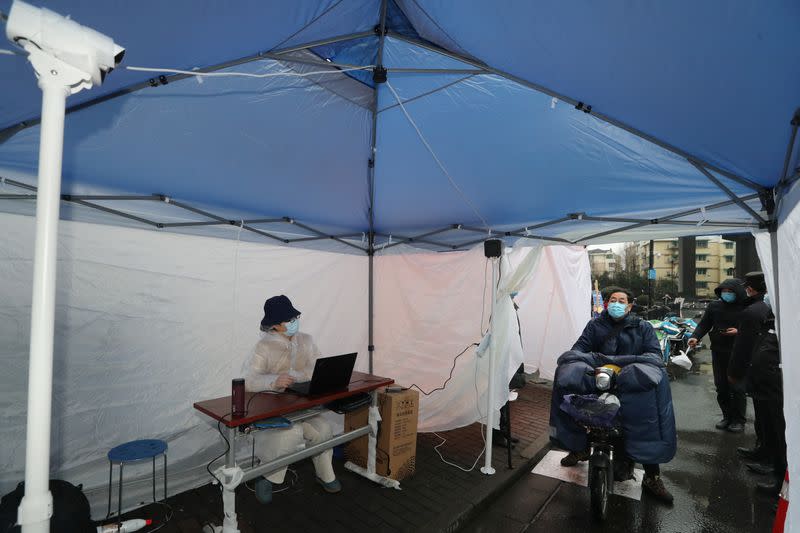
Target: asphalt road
713, 490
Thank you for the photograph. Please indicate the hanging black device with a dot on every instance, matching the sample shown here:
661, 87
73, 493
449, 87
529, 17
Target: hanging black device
493, 248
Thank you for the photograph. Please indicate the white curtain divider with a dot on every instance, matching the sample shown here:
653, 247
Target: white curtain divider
554, 306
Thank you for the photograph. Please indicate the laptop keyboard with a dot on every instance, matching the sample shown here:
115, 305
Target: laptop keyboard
301, 387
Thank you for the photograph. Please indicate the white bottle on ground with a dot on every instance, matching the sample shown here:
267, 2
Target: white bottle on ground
126, 527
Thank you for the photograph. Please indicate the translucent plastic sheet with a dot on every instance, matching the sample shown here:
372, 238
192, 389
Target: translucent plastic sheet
554, 307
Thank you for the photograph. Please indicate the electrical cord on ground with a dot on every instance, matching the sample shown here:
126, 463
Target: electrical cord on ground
481, 417
291, 484
167, 517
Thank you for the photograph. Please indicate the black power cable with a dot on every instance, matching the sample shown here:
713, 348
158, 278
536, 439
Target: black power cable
227, 448
265, 391
414, 385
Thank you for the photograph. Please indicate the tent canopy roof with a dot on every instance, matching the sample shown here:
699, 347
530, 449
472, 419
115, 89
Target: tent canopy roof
482, 123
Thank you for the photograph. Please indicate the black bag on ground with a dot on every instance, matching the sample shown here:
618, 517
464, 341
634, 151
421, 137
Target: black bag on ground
71, 513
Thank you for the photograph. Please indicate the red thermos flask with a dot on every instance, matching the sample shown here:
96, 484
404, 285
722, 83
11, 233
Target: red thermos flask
237, 398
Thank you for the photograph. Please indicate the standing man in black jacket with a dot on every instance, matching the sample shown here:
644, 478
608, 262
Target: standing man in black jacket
756, 358
719, 322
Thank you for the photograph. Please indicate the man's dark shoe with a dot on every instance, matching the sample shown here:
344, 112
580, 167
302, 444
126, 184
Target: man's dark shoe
723, 424
758, 468
735, 427
770, 488
654, 486
573, 458
754, 454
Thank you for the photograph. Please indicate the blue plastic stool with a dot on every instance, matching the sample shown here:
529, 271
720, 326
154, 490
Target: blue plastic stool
132, 452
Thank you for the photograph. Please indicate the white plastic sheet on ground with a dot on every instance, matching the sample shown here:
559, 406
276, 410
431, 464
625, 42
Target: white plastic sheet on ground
550, 466
146, 324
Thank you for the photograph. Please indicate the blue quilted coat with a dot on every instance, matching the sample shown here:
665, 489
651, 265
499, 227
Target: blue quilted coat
646, 414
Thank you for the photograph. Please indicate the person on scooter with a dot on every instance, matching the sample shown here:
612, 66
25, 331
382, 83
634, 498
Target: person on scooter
719, 322
617, 332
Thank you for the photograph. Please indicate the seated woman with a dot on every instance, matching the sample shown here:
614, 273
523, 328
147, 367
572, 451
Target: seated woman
281, 357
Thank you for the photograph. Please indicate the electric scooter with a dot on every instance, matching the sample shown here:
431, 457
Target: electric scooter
598, 416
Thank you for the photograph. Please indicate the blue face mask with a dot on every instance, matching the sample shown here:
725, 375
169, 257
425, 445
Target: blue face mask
617, 310
292, 326
728, 297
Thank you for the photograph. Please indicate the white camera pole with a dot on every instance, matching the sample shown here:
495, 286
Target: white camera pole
67, 57
487, 467
36, 507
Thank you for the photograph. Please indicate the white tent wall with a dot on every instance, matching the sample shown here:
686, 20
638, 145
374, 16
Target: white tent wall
788, 287
552, 306
146, 324
789, 292
430, 307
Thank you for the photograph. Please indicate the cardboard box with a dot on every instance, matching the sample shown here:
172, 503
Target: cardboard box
396, 451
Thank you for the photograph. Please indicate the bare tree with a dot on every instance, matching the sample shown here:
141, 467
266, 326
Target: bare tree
630, 255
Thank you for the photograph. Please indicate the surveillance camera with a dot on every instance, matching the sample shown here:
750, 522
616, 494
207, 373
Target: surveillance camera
82, 48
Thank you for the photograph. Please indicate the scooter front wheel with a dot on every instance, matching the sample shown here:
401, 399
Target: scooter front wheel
598, 488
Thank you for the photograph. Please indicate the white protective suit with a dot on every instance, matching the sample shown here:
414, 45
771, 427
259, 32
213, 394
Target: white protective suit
277, 354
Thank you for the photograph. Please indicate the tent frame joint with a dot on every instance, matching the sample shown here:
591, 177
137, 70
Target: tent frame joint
379, 74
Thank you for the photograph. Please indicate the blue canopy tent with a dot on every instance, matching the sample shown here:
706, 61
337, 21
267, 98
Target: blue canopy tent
373, 123
619, 118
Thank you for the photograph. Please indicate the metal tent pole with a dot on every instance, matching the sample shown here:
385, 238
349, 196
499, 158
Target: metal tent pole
487, 467
650, 280
376, 76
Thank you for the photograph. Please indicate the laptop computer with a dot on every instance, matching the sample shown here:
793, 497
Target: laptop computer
331, 374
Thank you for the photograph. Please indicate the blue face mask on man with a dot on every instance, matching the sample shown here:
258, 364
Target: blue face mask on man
617, 309
728, 297
292, 326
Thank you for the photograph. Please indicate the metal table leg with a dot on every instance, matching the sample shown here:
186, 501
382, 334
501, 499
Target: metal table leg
229, 522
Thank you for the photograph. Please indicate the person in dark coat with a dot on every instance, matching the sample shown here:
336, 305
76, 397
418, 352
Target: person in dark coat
617, 332
756, 360
719, 321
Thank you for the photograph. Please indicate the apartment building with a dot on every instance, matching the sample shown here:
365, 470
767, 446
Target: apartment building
603, 262
715, 260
